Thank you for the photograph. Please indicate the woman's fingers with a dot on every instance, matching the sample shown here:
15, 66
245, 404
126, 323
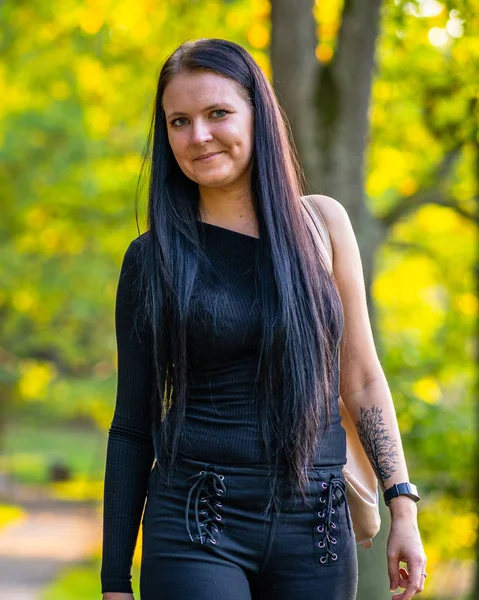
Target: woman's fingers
393, 571
413, 582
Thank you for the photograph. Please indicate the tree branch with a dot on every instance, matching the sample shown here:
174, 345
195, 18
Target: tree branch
411, 203
433, 195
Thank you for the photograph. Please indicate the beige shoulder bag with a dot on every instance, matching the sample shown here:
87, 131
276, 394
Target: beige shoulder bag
361, 481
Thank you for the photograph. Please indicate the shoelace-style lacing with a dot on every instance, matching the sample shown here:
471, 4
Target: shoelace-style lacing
329, 525
207, 487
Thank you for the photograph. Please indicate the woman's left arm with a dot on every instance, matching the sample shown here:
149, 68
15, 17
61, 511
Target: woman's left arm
366, 395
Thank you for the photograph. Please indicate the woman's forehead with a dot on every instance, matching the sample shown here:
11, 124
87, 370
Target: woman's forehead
200, 91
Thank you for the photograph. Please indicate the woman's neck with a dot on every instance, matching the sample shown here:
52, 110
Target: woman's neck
233, 211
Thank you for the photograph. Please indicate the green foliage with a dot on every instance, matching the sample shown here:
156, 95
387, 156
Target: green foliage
77, 87
33, 446
82, 582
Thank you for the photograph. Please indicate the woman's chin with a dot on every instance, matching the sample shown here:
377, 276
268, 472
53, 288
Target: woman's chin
214, 182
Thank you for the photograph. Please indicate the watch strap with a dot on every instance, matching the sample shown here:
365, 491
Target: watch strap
401, 489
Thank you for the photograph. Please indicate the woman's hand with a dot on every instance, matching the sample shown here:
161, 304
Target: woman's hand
118, 596
404, 544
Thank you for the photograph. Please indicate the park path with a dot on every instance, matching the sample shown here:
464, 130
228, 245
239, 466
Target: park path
52, 535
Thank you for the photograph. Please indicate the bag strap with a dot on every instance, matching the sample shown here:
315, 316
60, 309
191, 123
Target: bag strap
320, 224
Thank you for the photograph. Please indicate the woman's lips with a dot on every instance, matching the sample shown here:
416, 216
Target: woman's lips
210, 157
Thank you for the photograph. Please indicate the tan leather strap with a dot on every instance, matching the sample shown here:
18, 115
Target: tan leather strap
319, 223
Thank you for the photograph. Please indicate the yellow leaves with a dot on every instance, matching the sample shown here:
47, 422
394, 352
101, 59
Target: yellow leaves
258, 35
77, 489
328, 17
47, 235
408, 186
10, 514
91, 76
428, 389
3, 88
453, 529
434, 221
36, 216
17, 98
99, 411
467, 304
261, 8
48, 31
237, 18
138, 549
134, 20
324, 53
384, 91
263, 61
391, 169
90, 21
98, 121
257, 24
468, 525
466, 51
131, 163
25, 300
35, 378
409, 291
59, 90
54, 237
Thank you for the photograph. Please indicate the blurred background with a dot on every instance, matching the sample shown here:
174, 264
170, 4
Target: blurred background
382, 96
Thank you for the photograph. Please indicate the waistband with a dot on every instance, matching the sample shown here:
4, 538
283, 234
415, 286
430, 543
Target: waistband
191, 464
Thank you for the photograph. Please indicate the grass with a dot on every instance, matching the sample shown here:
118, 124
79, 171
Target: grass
83, 582
30, 449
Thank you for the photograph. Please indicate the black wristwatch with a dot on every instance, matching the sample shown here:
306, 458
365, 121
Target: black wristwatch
401, 489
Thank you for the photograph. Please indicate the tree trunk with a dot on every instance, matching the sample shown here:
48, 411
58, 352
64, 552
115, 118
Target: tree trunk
327, 106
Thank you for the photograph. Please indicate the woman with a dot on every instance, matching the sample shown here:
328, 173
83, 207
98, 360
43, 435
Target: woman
229, 323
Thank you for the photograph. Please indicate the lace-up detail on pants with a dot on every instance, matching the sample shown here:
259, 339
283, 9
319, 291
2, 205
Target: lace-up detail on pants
327, 534
204, 501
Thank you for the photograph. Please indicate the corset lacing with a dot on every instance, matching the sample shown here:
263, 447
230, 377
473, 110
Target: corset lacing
206, 490
333, 495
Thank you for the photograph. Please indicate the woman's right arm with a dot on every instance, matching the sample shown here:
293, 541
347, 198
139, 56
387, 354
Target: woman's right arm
130, 451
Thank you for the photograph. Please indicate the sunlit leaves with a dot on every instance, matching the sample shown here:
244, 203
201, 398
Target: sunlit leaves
77, 84
10, 514
35, 379
328, 17
427, 389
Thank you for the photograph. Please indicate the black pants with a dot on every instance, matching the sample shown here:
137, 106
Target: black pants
206, 537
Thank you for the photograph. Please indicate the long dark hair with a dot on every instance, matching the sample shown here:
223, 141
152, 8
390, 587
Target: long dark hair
302, 317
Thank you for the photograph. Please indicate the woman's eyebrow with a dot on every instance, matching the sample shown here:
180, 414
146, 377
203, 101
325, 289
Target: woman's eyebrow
210, 107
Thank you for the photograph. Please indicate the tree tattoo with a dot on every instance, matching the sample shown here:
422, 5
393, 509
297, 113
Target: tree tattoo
378, 444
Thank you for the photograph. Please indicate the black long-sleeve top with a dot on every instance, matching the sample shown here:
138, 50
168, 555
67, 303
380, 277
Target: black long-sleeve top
221, 422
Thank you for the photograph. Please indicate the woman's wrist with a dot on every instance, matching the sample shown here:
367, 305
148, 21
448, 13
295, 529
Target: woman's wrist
402, 506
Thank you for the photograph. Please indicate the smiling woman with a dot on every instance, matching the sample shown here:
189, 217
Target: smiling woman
210, 132
229, 321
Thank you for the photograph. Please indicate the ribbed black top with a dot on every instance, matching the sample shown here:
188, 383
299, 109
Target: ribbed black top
221, 423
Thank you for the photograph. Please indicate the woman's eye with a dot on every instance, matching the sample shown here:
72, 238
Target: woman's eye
220, 110
175, 121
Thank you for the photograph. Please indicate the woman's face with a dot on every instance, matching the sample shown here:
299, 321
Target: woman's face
207, 113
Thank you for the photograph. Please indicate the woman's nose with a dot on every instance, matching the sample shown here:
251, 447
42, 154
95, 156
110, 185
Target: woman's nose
200, 132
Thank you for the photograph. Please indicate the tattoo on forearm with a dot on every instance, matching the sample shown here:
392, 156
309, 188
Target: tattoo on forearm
379, 445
